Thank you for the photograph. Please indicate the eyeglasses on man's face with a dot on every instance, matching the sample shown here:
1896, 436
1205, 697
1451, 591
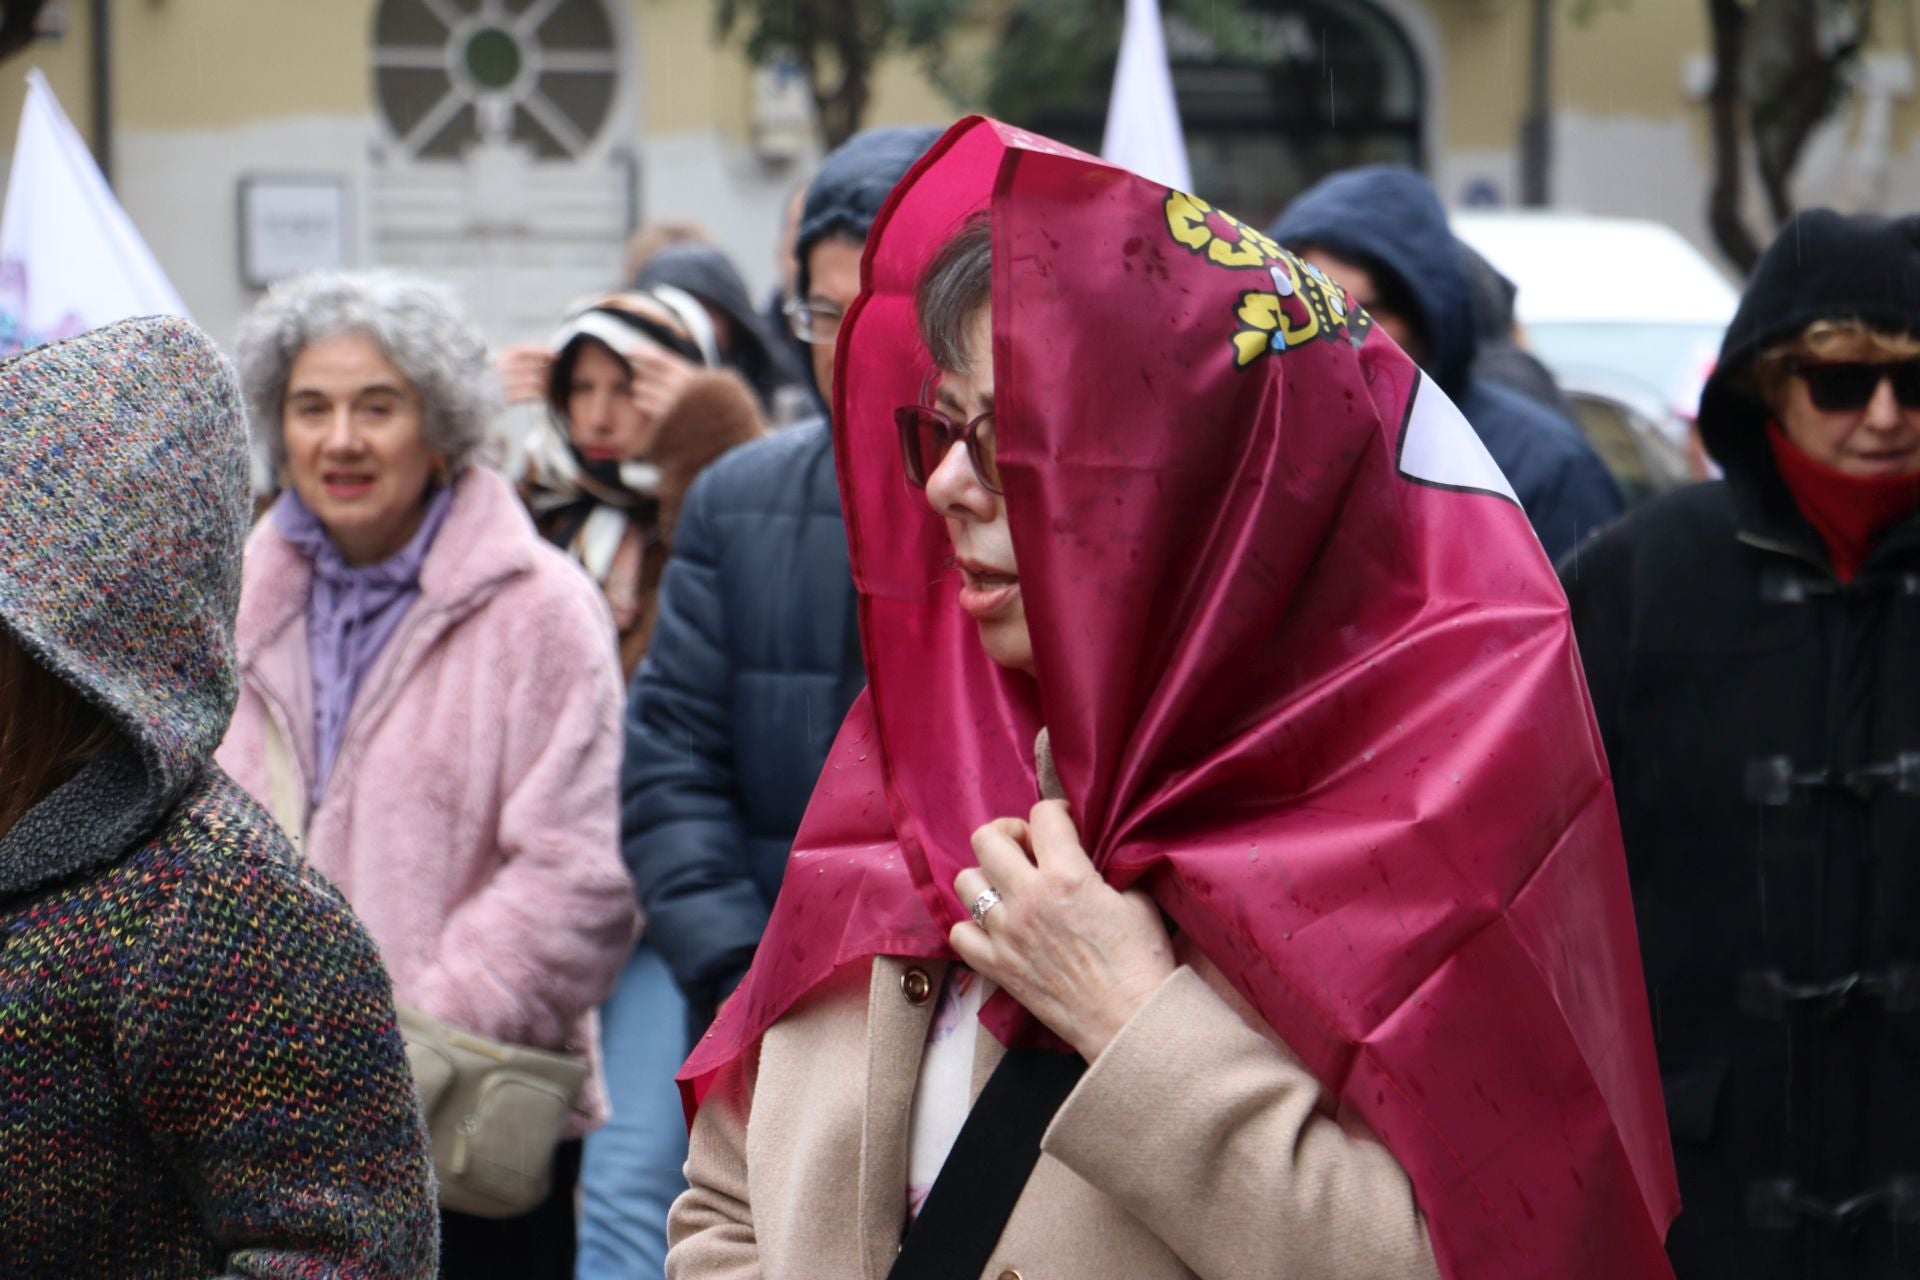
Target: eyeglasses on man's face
813, 322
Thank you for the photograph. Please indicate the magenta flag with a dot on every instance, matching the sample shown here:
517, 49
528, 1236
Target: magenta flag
1309, 680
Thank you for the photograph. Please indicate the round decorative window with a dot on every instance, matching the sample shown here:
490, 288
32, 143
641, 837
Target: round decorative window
452, 73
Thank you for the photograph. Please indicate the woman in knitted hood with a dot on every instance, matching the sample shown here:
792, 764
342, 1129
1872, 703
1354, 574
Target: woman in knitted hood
197, 1039
635, 413
431, 698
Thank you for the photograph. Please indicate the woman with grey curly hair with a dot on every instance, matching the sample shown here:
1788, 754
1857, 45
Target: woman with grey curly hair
414, 323
431, 697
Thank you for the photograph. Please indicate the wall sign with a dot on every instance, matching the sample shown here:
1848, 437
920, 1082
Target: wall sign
291, 225
51, 22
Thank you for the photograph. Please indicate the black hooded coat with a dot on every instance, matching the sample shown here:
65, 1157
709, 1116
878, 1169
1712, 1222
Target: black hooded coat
1763, 722
1388, 217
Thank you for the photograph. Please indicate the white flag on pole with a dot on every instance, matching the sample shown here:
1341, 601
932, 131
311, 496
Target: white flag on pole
70, 259
1143, 122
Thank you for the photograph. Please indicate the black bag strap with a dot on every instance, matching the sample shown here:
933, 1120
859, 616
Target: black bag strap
970, 1201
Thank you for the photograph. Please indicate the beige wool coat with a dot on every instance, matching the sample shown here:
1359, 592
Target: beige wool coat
1195, 1146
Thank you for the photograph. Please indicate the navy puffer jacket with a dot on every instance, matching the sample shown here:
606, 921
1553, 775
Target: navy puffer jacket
754, 662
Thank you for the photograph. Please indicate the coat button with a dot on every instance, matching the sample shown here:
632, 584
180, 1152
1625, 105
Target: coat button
1009, 1274
917, 986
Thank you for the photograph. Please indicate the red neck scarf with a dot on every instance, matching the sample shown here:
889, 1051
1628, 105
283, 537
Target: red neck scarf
1848, 512
1309, 680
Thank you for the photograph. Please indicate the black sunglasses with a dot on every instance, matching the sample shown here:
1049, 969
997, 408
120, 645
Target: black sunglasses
926, 435
1846, 386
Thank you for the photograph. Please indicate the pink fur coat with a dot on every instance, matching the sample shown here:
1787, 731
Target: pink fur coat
471, 818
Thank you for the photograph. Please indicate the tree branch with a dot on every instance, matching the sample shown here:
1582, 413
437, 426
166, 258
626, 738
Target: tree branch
1724, 100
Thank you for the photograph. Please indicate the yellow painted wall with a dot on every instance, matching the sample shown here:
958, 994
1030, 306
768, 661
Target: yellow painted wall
690, 81
67, 65
1629, 57
1626, 57
213, 64
1483, 84
686, 81
1897, 30
201, 64
208, 64
902, 94
1623, 58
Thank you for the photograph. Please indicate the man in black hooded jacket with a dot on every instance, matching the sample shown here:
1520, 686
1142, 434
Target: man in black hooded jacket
1386, 223
1751, 648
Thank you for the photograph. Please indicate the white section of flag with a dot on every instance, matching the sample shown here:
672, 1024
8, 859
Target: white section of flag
70, 258
1143, 121
1439, 446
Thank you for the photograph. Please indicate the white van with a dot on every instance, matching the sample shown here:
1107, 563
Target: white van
1628, 315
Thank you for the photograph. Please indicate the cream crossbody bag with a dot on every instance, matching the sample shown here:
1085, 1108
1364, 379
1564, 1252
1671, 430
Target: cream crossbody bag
495, 1111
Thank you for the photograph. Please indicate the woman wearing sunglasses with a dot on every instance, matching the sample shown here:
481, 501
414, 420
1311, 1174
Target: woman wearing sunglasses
1313, 958
1751, 650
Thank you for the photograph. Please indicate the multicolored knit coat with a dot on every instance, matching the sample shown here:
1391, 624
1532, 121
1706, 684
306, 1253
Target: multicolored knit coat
199, 1069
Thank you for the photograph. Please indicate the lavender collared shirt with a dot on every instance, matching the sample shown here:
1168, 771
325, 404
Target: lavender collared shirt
352, 612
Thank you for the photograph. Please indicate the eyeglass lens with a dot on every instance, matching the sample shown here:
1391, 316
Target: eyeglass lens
1843, 386
813, 324
926, 435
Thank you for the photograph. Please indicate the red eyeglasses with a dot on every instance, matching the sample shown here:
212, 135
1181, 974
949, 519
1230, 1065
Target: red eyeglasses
926, 434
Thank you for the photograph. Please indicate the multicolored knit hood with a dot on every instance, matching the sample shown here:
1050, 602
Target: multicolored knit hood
123, 508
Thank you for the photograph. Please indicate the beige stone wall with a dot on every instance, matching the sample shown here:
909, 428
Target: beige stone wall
1632, 60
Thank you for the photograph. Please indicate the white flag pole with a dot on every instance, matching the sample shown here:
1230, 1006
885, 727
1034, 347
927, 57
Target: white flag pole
70, 258
1143, 121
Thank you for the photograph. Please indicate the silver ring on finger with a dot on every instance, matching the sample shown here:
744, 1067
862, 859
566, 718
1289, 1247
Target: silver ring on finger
989, 899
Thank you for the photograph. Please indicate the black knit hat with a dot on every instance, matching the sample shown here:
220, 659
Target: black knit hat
123, 511
1822, 266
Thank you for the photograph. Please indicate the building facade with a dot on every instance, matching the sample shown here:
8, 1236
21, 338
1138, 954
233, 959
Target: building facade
511, 145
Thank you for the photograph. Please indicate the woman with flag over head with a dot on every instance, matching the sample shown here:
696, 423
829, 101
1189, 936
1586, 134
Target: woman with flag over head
1314, 957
